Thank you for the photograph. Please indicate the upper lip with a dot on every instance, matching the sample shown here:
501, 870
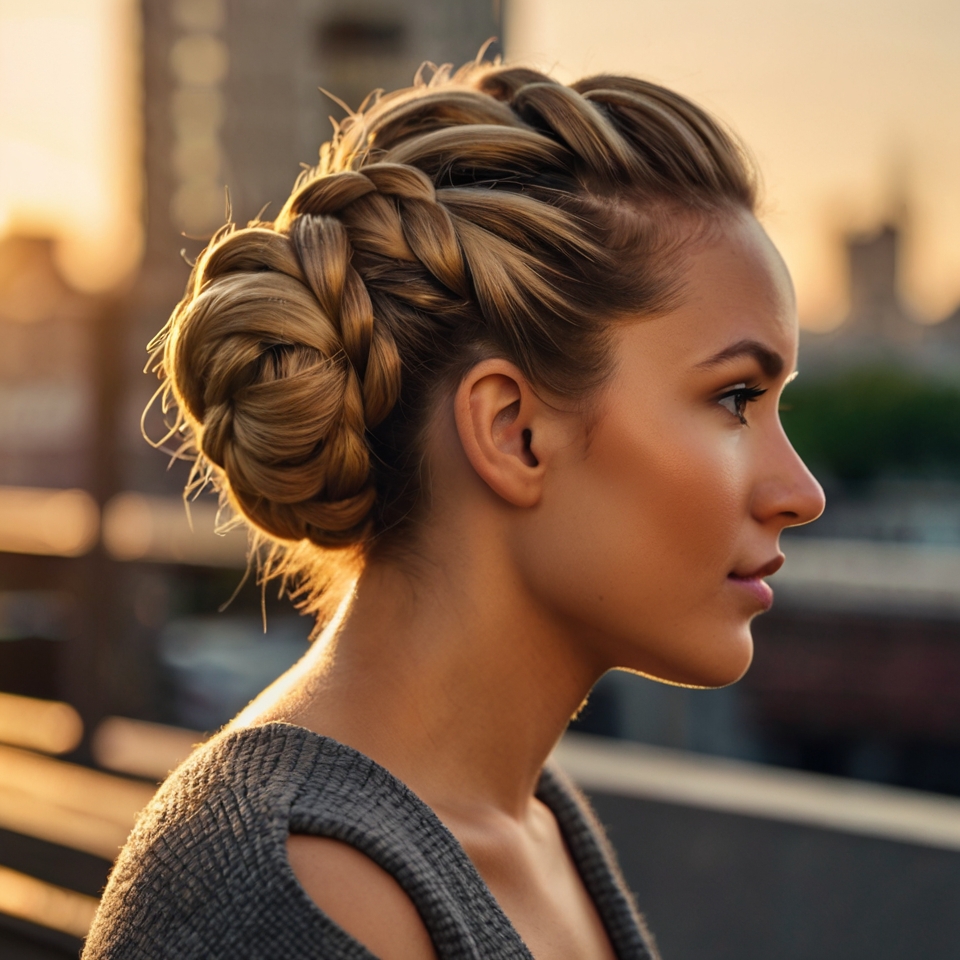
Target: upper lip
766, 570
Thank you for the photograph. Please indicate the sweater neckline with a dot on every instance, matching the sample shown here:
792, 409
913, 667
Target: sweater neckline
586, 851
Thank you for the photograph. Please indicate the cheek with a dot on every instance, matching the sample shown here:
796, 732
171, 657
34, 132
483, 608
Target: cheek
660, 503
639, 534
684, 499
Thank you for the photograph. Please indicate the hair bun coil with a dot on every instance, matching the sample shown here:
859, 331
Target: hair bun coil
272, 358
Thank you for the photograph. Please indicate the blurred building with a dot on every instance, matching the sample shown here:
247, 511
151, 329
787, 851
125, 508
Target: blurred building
876, 307
880, 326
234, 103
56, 465
858, 667
48, 403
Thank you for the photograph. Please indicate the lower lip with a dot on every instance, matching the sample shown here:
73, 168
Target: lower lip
758, 588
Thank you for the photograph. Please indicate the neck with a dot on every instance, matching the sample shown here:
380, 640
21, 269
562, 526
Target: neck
450, 676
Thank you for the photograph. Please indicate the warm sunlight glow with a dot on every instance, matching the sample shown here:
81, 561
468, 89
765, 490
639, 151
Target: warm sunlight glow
138, 527
46, 725
142, 749
69, 132
68, 804
49, 522
851, 108
45, 904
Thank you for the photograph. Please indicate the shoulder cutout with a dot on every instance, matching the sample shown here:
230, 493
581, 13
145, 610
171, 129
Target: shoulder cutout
361, 897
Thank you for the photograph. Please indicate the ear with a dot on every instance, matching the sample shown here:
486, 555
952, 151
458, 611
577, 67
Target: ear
498, 419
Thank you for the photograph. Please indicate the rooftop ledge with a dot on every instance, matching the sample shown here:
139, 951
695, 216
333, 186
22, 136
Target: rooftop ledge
749, 789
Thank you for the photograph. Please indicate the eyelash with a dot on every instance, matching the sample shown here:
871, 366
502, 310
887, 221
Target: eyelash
741, 394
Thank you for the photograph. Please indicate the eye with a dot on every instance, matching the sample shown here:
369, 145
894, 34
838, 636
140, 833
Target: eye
737, 397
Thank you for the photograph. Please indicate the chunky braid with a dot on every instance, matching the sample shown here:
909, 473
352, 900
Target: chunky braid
494, 212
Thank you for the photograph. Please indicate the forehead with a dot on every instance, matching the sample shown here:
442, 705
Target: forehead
735, 288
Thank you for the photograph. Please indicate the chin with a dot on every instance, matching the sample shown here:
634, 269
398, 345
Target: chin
732, 663
722, 678
721, 662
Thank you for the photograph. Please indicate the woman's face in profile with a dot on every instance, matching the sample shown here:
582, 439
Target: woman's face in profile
654, 537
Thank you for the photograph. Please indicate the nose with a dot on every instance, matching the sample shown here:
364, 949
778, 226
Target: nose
787, 493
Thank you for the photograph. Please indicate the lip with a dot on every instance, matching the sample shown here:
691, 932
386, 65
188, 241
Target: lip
757, 587
767, 569
753, 583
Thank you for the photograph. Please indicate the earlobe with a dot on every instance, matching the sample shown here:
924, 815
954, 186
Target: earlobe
495, 412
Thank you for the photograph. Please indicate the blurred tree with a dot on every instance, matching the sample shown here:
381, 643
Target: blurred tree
875, 421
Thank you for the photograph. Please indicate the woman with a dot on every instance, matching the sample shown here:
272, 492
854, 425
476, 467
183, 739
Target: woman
509, 360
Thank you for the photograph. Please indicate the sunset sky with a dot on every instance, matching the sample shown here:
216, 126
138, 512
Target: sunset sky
69, 131
848, 105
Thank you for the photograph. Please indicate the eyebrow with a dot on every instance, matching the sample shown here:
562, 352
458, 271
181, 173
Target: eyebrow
771, 363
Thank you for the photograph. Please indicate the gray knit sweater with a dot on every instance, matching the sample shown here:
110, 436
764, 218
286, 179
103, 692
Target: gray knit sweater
205, 875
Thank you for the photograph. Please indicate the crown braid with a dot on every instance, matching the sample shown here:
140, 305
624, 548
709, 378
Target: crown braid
492, 212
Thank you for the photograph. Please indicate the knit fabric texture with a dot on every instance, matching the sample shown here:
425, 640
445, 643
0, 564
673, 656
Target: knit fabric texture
205, 873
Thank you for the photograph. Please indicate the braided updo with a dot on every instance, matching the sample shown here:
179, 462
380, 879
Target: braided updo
492, 212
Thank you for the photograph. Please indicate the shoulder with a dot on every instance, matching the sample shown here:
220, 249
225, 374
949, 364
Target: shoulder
233, 791
360, 896
204, 873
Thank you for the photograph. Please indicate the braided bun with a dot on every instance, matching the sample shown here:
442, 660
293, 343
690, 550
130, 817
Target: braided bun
280, 375
494, 211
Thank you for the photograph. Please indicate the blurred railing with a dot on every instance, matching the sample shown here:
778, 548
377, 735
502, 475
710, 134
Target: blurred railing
734, 861
73, 806
133, 526
874, 574
750, 789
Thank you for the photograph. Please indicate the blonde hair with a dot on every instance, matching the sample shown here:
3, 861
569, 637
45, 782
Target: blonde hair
491, 212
